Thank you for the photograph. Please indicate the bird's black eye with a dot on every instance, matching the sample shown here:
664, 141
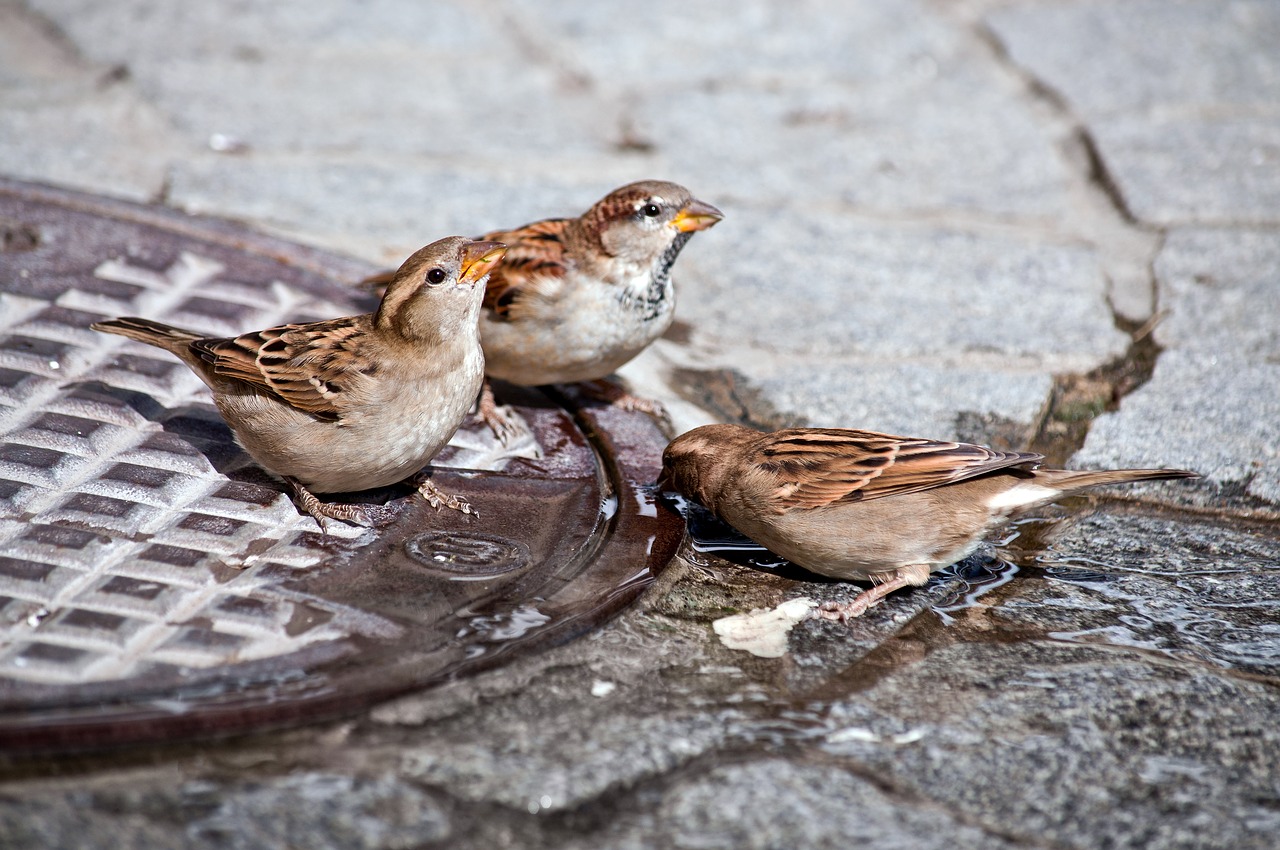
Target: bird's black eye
651, 210
435, 277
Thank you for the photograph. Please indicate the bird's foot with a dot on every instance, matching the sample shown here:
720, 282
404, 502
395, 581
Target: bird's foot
504, 428
438, 499
912, 575
308, 504
607, 391
843, 612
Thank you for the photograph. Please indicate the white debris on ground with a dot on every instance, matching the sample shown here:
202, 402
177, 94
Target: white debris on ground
763, 631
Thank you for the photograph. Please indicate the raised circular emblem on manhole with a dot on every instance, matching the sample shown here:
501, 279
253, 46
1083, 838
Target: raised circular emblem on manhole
155, 584
466, 555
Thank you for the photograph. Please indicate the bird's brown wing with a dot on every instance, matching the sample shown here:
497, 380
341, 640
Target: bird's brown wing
535, 258
309, 366
818, 467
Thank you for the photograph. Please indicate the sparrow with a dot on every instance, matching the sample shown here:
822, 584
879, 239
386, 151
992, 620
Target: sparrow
576, 298
353, 403
866, 506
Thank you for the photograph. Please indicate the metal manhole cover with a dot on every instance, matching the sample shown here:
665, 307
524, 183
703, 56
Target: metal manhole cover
154, 584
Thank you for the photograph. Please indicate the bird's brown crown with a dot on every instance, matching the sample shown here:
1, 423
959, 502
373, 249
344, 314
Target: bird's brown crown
694, 463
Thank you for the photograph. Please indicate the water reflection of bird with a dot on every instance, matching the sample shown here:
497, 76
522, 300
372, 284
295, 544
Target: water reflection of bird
576, 298
353, 403
867, 506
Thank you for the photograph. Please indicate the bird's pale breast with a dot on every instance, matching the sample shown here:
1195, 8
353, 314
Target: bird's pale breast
587, 333
387, 438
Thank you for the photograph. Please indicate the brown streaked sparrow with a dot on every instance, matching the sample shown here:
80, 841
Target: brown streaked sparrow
866, 506
353, 403
576, 298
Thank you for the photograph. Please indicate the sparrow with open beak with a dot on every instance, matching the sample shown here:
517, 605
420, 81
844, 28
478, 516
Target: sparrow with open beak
866, 506
353, 403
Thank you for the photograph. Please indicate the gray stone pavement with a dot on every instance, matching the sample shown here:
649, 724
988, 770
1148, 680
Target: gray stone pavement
1048, 223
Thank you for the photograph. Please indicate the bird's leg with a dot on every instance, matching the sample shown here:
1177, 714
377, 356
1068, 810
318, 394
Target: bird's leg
318, 510
607, 391
438, 498
490, 414
912, 575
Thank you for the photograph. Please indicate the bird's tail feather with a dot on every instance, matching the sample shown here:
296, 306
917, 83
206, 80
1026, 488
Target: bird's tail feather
152, 333
1070, 480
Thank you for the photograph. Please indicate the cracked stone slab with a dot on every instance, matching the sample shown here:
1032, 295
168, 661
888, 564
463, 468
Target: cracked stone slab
1178, 96
834, 287
72, 121
940, 403
838, 323
469, 101
1195, 169
1212, 403
1078, 747
707, 39
920, 122
347, 63
862, 148
1221, 289
1219, 416
117, 122
31, 59
1149, 53
140, 31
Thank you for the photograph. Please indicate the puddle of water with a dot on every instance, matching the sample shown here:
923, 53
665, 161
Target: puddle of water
979, 575
1173, 587
1174, 623
709, 536
501, 626
647, 501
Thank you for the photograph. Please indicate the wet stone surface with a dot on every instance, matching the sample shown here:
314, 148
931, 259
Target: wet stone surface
992, 708
1187, 589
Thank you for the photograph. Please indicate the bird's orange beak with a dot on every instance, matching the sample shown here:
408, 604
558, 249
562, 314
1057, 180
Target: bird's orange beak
478, 259
698, 215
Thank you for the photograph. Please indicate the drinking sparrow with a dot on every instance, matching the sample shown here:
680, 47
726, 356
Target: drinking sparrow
866, 506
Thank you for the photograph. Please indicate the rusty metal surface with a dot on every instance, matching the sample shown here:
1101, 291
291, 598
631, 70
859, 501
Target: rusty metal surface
154, 584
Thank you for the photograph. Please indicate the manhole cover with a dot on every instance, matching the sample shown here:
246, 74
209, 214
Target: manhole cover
155, 585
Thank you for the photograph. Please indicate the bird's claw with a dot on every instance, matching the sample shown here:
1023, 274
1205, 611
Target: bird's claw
842, 612
311, 506
438, 499
503, 426
606, 391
